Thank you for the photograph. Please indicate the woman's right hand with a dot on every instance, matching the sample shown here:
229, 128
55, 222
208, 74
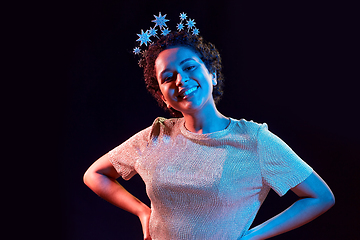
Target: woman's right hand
144, 217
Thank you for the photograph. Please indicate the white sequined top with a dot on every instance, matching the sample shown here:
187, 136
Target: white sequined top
207, 186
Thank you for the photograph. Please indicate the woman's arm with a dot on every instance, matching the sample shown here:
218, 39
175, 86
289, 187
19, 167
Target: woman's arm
101, 178
315, 199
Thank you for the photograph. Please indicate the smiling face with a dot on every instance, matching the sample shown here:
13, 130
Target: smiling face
185, 83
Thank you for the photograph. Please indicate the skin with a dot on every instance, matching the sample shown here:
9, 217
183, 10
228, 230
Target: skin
178, 70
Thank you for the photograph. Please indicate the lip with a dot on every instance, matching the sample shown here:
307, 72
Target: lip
185, 92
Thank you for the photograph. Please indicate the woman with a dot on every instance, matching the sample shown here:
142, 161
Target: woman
206, 174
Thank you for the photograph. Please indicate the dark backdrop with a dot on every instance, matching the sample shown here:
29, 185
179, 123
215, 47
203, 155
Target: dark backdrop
289, 64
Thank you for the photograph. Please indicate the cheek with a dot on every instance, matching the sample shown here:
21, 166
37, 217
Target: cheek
206, 80
167, 91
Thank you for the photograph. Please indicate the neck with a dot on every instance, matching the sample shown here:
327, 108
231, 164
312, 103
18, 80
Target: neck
205, 121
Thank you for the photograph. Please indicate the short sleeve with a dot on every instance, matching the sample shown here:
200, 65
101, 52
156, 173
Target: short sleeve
124, 156
281, 168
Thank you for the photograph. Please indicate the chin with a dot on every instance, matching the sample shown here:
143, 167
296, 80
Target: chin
190, 109
192, 105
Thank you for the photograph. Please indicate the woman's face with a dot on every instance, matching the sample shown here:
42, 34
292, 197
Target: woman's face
185, 83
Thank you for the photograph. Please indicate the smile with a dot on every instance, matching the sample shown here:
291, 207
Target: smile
187, 92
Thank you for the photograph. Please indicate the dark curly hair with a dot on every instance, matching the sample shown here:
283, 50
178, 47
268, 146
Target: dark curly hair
206, 51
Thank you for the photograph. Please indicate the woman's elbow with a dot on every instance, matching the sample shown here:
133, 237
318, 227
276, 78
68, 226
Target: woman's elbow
327, 200
87, 177
331, 200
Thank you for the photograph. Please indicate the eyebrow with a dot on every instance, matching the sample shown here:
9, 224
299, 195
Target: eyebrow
181, 63
185, 60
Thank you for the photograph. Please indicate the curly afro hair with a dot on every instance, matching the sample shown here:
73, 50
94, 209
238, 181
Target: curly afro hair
206, 51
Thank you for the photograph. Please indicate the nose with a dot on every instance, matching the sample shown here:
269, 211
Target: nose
181, 79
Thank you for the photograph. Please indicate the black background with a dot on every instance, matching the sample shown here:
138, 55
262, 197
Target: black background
289, 64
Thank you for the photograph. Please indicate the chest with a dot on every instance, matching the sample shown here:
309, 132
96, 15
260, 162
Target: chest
193, 171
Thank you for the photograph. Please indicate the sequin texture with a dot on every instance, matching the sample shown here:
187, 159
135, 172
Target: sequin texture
207, 186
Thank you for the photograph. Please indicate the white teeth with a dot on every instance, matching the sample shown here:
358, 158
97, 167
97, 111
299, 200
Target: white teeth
189, 91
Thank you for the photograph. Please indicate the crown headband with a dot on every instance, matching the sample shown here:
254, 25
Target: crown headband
160, 21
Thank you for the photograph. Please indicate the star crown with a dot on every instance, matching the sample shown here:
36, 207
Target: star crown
160, 21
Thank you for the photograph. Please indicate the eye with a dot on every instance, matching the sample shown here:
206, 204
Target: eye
189, 68
167, 78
